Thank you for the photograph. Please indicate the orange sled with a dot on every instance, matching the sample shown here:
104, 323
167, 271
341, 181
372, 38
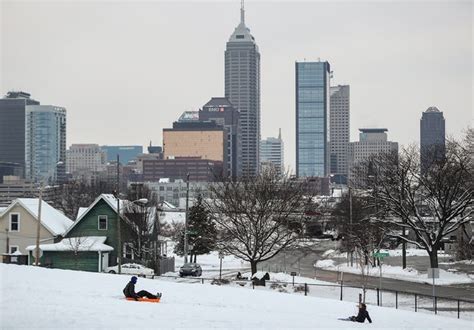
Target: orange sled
157, 300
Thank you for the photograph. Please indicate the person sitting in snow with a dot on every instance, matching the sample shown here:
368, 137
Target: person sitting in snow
129, 291
362, 315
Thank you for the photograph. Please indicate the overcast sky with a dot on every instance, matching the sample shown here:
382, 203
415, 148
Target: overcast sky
126, 70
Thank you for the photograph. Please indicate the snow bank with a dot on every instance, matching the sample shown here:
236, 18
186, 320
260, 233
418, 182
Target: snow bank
49, 298
397, 272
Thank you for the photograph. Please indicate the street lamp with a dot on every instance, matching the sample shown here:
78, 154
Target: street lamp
350, 225
186, 221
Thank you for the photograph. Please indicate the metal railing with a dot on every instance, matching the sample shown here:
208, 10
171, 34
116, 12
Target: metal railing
438, 305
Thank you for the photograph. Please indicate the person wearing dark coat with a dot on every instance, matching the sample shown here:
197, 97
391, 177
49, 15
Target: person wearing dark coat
362, 315
129, 291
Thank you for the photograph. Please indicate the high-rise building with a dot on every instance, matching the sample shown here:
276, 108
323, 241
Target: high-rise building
179, 167
45, 143
242, 89
12, 128
223, 113
432, 137
312, 118
196, 139
126, 153
339, 128
271, 153
83, 161
372, 141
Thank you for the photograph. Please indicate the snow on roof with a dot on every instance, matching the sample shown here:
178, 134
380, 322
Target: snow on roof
112, 201
53, 220
170, 217
80, 212
167, 206
84, 243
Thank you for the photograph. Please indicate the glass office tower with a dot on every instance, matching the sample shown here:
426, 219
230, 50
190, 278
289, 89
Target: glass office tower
312, 126
45, 143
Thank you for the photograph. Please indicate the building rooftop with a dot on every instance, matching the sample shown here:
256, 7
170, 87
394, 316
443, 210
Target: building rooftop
242, 32
189, 116
218, 102
194, 126
373, 130
17, 94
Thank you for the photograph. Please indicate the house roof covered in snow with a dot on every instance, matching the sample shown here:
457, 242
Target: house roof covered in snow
80, 212
167, 206
53, 220
112, 202
170, 217
84, 243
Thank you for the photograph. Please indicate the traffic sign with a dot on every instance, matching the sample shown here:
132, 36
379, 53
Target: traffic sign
380, 254
433, 272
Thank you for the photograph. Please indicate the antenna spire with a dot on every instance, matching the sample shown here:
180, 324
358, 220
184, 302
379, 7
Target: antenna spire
242, 12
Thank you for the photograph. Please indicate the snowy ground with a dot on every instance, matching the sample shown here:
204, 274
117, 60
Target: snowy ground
210, 263
397, 272
49, 298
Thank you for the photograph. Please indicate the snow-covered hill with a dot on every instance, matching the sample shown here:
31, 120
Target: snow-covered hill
48, 298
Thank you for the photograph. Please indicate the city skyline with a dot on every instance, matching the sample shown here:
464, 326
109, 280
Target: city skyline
395, 70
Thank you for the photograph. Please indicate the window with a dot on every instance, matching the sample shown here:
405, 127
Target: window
128, 250
14, 221
14, 248
102, 222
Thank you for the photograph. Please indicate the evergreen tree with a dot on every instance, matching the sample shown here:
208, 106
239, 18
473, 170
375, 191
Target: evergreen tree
202, 233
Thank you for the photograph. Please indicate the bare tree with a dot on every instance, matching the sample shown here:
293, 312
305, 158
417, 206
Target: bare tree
75, 194
365, 234
258, 217
77, 245
431, 205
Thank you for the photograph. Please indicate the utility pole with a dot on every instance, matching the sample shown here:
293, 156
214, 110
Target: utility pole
8, 242
157, 242
350, 224
38, 226
404, 243
119, 231
186, 221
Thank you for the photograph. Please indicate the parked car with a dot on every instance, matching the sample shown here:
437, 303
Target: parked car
134, 269
190, 269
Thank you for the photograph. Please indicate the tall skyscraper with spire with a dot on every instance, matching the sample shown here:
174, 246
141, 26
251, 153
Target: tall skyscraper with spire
242, 88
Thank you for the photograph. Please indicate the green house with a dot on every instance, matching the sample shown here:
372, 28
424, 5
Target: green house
91, 243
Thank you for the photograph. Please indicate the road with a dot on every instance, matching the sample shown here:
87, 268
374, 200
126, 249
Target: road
302, 262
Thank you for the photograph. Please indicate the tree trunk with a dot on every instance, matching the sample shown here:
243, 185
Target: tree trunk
434, 257
253, 266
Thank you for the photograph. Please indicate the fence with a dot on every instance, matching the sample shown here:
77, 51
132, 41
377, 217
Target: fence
460, 308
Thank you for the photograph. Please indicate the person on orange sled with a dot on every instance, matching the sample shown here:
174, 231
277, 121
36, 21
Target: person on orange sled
129, 291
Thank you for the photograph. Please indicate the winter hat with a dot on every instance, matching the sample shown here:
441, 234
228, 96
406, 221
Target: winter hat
134, 279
